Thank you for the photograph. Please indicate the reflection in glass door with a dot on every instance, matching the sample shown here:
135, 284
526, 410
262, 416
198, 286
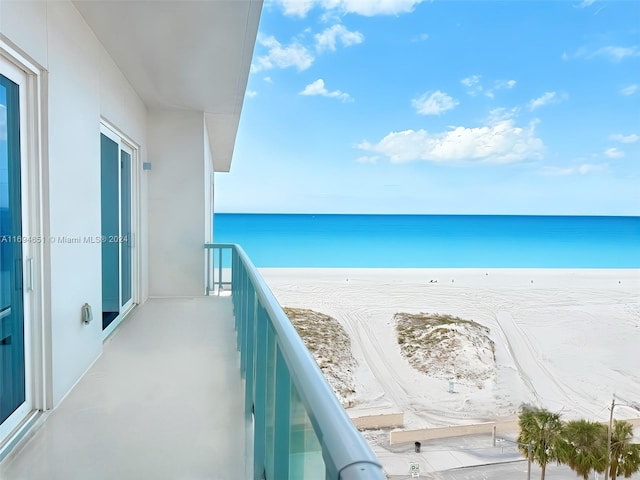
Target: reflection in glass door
13, 393
116, 181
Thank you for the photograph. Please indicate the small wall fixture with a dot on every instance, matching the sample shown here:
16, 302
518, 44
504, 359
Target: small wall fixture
87, 314
146, 165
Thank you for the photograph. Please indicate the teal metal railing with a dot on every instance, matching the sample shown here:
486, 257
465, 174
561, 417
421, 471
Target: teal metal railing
300, 430
217, 267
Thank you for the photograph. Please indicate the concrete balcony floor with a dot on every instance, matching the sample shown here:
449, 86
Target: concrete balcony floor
164, 401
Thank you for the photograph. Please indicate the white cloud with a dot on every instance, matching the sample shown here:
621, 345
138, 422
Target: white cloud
318, 88
279, 56
500, 85
296, 8
471, 81
586, 3
434, 103
632, 138
251, 94
508, 84
501, 114
473, 84
583, 169
379, 7
617, 53
420, 38
629, 90
613, 153
547, 98
611, 52
590, 167
368, 8
328, 38
268, 79
502, 142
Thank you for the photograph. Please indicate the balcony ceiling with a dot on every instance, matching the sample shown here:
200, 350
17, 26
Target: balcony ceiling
183, 54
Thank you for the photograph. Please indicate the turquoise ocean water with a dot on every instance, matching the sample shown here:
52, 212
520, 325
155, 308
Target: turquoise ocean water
436, 241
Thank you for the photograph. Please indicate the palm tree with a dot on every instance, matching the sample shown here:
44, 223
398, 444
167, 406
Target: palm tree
625, 456
584, 447
540, 431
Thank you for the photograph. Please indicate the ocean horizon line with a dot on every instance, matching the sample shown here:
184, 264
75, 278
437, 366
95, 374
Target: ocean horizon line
433, 214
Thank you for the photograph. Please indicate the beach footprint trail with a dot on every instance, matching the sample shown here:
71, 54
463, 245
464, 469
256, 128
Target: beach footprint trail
547, 389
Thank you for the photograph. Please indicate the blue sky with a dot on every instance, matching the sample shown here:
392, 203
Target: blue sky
442, 107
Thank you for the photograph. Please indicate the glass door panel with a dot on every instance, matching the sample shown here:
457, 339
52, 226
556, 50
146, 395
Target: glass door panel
116, 181
110, 230
12, 344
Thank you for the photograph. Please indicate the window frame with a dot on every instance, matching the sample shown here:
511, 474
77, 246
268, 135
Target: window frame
127, 144
37, 335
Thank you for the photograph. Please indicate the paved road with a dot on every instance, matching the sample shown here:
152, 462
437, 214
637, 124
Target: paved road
508, 471
440, 458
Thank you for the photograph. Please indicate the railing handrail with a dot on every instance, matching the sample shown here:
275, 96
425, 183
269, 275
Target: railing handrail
221, 245
346, 448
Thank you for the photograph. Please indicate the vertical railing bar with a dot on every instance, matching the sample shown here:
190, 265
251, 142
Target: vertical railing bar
244, 321
249, 356
206, 272
282, 421
260, 394
248, 299
230, 282
270, 402
241, 307
219, 270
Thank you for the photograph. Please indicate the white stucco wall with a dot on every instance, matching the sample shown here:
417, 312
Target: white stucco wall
176, 203
25, 24
83, 86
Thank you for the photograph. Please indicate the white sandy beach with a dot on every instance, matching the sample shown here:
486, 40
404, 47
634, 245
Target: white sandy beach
566, 340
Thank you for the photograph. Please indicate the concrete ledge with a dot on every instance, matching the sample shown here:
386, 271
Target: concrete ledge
383, 420
410, 436
510, 426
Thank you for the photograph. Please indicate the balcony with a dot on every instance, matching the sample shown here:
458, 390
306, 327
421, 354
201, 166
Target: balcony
187, 389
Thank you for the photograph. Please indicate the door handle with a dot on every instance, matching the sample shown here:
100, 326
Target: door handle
29, 274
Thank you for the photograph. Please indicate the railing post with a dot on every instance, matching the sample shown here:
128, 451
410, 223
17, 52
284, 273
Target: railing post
234, 285
241, 310
248, 358
219, 270
260, 395
248, 326
282, 424
207, 254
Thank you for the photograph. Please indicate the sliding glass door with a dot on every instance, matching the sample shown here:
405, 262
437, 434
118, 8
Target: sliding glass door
14, 391
116, 197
